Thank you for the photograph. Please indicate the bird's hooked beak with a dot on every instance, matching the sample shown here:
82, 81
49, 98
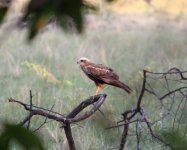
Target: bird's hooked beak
77, 62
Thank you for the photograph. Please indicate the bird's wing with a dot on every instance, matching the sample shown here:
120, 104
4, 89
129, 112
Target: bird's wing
101, 72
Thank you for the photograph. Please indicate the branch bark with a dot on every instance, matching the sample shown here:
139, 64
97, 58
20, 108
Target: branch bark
68, 133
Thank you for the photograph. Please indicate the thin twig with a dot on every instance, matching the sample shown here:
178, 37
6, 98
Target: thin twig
119, 125
138, 133
25, 120
171, 92
27, 106
30, 111
45, 121
152, 133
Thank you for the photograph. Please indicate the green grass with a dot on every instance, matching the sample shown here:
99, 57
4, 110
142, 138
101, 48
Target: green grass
128, 51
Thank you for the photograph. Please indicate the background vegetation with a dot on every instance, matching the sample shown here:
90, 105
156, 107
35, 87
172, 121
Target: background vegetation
47, 66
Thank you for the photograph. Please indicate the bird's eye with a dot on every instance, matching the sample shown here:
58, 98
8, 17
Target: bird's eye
82, 60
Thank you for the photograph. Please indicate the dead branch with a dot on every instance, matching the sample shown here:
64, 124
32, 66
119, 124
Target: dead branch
30, 112
171, 92
125, 130
138, 134
67, 120
45, 121
137, 115
41, 112
88, 113
81, 106
26, 119
67, 130
119, 125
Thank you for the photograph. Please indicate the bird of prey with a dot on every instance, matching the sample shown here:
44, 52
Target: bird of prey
101, 75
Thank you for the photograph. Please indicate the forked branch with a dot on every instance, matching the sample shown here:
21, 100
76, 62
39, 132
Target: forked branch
66, 120
138, 115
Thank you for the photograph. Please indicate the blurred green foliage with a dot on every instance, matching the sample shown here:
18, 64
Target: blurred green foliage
175, 139
65, 11
25, 138
2, 14
38, 13
68, 14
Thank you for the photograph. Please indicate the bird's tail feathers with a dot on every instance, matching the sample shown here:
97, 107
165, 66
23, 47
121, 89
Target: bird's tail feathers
123, 86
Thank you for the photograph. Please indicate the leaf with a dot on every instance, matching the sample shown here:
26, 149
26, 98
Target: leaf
3, 12
21, 135
39, 12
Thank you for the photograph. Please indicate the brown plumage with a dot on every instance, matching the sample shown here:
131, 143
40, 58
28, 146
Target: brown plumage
101, 75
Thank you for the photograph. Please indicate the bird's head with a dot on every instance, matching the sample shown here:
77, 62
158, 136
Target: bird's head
83, 61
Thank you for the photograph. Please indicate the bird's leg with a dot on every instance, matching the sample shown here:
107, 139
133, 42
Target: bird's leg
99, 87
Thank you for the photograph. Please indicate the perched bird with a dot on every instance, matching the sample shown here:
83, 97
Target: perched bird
101, 75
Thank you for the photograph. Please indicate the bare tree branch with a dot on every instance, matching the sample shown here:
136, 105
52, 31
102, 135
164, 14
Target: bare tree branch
95, 101
45, 121
138, 133
25, 120
41, 112
124, 134
69, 136
173, 91
84, 104
90, 112
137, 115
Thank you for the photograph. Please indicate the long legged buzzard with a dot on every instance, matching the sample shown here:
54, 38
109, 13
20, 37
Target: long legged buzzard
101, 75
